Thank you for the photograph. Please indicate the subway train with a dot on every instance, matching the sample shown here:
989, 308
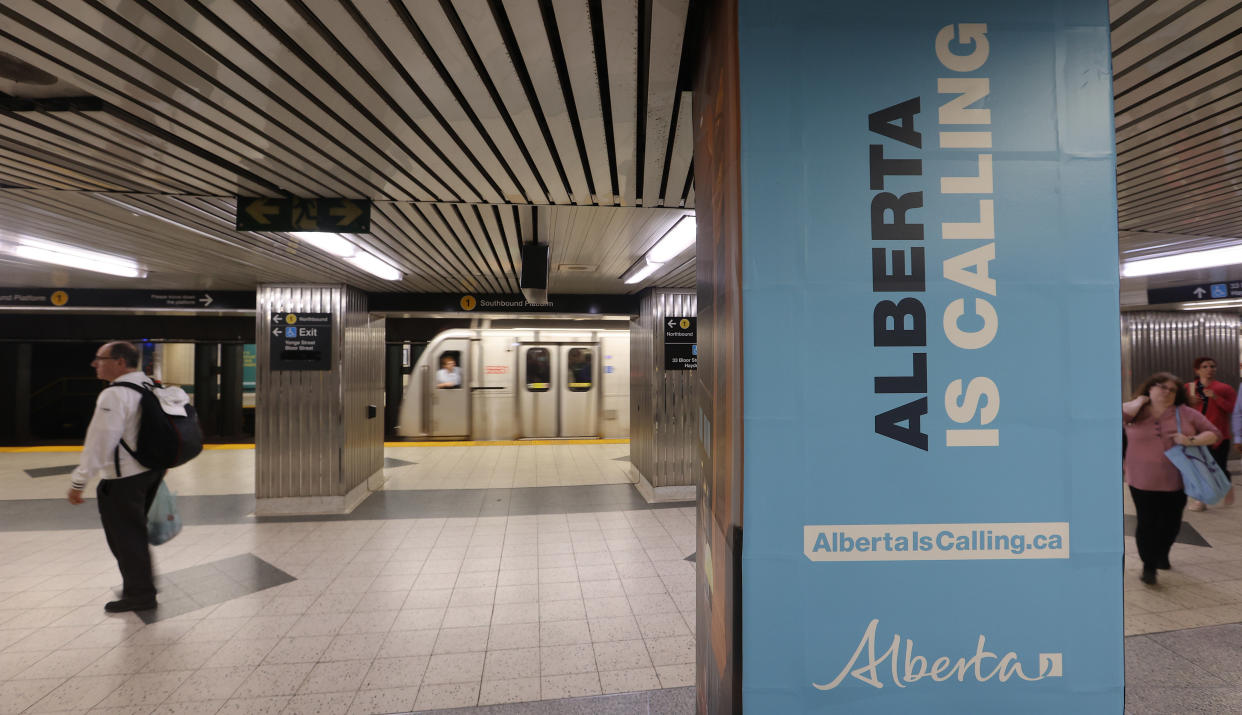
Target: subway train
520, 383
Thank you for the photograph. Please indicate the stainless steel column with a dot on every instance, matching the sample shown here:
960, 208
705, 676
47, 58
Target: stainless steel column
318, 433
663, 410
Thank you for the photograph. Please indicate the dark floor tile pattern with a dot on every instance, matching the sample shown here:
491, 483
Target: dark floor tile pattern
690, 558
622, 458
670, 701
392, 462
1188, 534
205, 585
43, 514
50, 471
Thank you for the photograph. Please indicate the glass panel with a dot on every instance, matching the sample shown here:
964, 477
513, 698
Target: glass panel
449, 375
538, 370
580, 369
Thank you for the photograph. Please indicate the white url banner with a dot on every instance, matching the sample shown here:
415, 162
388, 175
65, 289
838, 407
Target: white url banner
936, 542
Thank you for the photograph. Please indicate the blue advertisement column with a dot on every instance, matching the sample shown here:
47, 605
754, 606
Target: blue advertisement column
929, 291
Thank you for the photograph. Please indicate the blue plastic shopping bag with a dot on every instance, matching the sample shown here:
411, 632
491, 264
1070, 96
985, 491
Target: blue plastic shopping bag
163, 521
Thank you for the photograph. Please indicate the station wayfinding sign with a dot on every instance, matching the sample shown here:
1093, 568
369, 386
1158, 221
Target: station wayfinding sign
294, 214
1195, 292
301, 341
70, 298
681, 349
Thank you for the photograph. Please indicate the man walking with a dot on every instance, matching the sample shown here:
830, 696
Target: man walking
127, 488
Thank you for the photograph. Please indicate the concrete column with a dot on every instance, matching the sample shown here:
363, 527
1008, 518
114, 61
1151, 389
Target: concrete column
318, 427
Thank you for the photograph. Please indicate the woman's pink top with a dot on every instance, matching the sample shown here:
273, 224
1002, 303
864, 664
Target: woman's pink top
1146, 467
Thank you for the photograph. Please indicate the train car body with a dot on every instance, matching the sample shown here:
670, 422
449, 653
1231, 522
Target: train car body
519, 383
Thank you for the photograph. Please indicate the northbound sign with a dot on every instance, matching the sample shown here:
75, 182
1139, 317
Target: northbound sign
293, 214
681, 350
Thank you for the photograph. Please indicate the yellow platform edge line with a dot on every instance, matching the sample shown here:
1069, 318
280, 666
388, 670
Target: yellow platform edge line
479, 443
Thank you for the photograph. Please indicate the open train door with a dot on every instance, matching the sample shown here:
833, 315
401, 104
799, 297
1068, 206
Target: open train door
448, 388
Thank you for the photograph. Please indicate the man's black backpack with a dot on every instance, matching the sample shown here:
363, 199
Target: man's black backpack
164, 440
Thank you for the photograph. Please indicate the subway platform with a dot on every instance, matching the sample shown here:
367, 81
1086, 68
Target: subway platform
505, 579
499, 579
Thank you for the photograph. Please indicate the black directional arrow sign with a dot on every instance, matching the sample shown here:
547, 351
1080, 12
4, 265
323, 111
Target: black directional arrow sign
257, 213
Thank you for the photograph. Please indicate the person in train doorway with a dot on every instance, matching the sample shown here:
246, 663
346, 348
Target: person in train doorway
1216, 401
126, 488
449, 375
1151, 423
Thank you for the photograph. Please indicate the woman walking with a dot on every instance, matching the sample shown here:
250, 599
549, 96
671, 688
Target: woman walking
1151, 424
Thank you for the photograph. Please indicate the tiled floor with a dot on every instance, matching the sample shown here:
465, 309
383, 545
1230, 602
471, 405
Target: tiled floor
383, 615
427, 598
231, 471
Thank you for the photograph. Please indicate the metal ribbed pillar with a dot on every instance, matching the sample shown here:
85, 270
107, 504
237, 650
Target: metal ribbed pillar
319, 433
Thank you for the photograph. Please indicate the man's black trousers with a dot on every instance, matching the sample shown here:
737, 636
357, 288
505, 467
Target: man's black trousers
123, 506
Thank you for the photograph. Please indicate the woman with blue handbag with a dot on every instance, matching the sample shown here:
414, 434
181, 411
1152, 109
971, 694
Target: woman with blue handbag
1156, 420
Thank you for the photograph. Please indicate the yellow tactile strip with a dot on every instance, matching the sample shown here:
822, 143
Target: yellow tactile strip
477, 443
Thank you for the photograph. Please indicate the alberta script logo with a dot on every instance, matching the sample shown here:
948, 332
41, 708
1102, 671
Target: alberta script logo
906, 668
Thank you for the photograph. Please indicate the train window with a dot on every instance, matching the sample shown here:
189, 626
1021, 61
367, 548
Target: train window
538, 370
580, 369
449, 374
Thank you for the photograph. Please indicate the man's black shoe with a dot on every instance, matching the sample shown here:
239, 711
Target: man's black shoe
1149, 575
129, 604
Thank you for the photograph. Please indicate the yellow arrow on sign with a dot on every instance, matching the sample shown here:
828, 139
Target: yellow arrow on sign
260, 211
348, 210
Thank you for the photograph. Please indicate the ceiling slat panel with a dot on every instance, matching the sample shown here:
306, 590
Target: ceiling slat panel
1195, 28
449, 77
335, 42
668, 20
532, 35
479, 24
682, 156
384, 65
282, 62
52, 142
574, 23
620, 20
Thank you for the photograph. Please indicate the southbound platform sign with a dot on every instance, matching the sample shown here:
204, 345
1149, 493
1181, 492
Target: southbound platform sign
301, 341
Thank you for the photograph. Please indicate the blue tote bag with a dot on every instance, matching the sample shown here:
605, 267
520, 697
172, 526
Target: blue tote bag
1202, 477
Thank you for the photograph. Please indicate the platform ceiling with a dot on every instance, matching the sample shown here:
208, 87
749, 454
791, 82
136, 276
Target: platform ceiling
474, 125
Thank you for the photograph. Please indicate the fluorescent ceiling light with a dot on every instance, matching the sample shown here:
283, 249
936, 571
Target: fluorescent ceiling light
1213, 305
680, 237
332, 243
672, 244
374, 266
338, 245
644, 270
1211, 258
34, 249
